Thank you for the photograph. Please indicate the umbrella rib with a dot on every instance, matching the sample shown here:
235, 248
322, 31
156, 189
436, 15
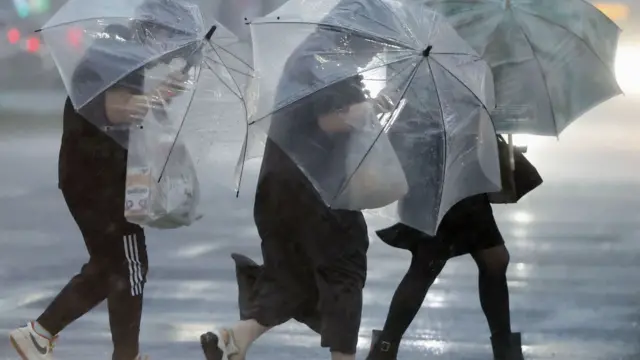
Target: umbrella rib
377, 22
243, 155
568, 31
450, 53
324, 86
144, 63
585, 2
393, 13
67, 23
233, 55
474, 2
461, 82
387, 80
239, 96
444, 154
238, 71
332, 53
175, 140
339, 29
544, 77
225, 65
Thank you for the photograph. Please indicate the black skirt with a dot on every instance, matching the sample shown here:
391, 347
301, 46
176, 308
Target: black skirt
315, 261
469, 226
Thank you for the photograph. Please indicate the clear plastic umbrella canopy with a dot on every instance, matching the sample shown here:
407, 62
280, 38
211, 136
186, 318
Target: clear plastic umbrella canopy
552, 60
135, 45
319, 60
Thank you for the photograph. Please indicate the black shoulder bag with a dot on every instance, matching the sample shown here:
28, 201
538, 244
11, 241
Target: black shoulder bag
518, 175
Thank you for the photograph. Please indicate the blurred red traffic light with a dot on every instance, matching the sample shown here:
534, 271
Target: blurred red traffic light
13, 35
33, 44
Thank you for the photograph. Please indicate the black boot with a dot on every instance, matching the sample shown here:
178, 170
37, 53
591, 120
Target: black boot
507, 347
382, 349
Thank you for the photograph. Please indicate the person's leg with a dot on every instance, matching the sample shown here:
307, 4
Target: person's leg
269, 295
494, 299
426, 265
127, 277
88, 288
411, 292
82, 293
336, 243
494, 292
232, 343
340, 285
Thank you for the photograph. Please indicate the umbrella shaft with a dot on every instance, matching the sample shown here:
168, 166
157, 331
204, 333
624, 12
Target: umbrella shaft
507, 4
512, 162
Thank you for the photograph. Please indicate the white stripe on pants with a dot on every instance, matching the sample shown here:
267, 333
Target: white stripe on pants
135, 267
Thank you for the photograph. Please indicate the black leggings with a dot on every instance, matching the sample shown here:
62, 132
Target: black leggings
425, 267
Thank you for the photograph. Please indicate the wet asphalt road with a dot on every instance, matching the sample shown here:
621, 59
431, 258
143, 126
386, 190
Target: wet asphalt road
573, 276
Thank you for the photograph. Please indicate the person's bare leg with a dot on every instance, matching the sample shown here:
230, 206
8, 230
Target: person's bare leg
341, 356
232, 343
245, 333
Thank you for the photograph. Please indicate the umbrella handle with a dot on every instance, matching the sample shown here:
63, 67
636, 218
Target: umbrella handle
512, 161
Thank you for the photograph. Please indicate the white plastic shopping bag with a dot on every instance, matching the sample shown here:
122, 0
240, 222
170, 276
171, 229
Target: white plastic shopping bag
379, 179
166, 202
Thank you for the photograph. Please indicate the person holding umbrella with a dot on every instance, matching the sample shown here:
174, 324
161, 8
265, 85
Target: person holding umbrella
549, 68
322, 76
468, 228
92, 170
315, 260
314, 256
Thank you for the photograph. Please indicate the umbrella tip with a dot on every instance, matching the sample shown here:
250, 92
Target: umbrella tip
209, 34
427, 51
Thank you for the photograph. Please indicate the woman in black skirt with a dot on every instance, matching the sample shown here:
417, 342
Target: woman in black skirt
468, 228
314, 257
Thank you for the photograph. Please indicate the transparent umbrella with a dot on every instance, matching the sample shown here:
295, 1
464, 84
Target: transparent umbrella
424, 143
127, 50
552, 61
133, 45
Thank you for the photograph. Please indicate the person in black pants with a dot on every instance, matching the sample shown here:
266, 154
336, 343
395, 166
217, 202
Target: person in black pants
92, 172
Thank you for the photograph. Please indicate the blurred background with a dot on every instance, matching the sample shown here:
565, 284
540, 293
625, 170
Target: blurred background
574, 242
